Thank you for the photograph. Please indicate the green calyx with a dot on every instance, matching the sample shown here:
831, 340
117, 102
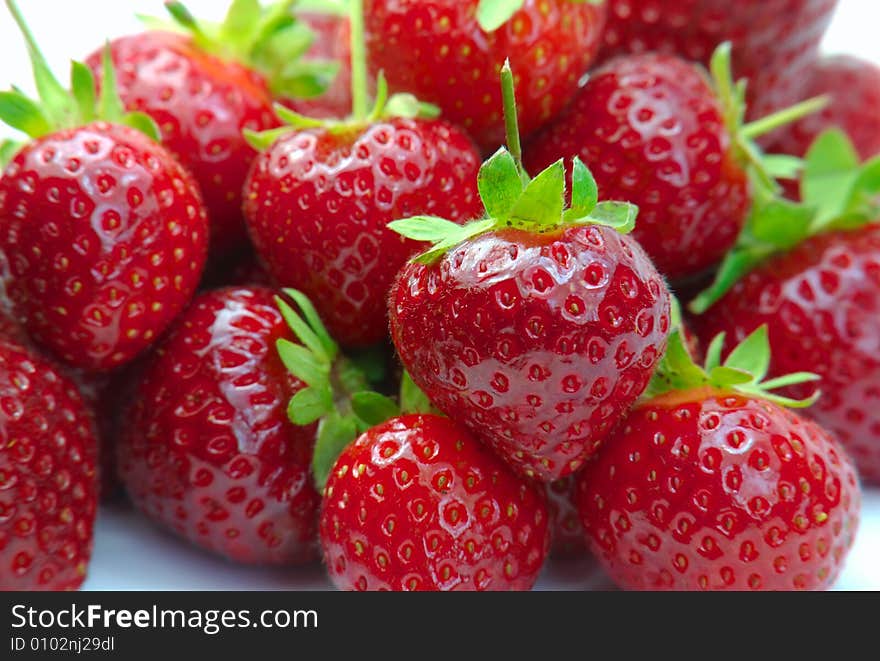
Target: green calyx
492, 14
743, 371
384, 107
337, 395
838, 193
58, 108
514, 200
268, 39
732, 95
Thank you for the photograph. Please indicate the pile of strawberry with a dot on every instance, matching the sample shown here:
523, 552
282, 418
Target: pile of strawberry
256, 277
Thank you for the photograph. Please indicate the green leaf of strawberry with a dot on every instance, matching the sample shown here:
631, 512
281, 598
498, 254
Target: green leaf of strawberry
492, 14
268, 39
59, 108
337, 395
838, 193
743, 371
384, 106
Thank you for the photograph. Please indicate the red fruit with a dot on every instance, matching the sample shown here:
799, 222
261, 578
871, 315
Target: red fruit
536, 343
332, 42
821, 303
653, 132
417, 504
105, 237
48, 482
707, 489
209, 452
318, 201
774, 41
452, 62
853, 86
568, 533
201, 104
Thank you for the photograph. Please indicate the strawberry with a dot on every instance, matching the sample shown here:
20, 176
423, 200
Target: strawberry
416, 503
318, 199
48, 476
101, 391
225, 418
209, 451
710, 483
813, 277
567, 531
455, 48
103, 234
204, 86
774, 41
853, 85
536, 327
657, 133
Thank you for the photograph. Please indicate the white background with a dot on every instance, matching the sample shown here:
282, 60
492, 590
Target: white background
131, 553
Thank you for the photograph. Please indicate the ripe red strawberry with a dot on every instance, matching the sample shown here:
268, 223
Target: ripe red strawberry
567, 538
101, 391
821, 303
713, 486
814, 280
209, 451
205, 86
774, 41
416, 503
102, 232
853, 86
318, 202
48, 476
318, 199
537, 327
454, 50
656, 132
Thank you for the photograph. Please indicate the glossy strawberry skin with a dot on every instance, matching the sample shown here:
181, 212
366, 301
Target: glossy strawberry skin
104, 237
707, 490
416, 503
652, 132
853, 86
774, 41
201, 105
536, 343
48, 476
209, 452
451, 62
821, 304
318, 204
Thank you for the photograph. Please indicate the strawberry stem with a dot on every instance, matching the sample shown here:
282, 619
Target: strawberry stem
511, 121
360, 94
765, 125
57, 102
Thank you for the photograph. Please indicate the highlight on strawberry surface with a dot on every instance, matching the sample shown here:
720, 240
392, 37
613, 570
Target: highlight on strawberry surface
440, 295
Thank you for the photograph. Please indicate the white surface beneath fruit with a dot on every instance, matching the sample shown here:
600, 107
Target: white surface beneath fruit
133, 554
